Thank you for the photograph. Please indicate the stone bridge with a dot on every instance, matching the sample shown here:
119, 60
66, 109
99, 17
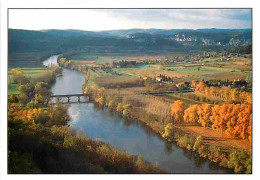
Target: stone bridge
68, 96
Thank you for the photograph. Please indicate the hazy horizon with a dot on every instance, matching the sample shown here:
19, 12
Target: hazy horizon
125, 29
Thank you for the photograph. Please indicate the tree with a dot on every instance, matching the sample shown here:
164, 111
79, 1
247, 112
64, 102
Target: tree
24, 89
168, 131
23, 98
178, 108
126, 108
38, 99
63, 60
234, 95
191, 114
42, 93
12, 99
197, 143
119, 107
204, 113
200, 87
58, 115
16, 71
23, 93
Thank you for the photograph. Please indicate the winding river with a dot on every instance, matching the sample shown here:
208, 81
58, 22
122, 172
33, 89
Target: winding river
129, 135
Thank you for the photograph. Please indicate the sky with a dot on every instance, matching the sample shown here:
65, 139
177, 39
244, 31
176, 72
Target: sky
113, 19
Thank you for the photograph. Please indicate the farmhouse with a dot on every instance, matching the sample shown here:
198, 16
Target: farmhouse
145, 78
159, 79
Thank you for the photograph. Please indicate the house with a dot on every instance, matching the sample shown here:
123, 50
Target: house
159, 79
145, 78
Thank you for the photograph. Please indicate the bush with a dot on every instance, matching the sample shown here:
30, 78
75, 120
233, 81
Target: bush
126, 108
185, 141
203, 151
197, 143
119, 107
168, 132
215, 154
13, 98
240, 161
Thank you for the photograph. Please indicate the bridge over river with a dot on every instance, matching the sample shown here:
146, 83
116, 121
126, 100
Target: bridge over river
68, 96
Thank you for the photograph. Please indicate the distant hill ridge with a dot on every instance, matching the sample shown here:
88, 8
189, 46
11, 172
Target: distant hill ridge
125, 32
62, 40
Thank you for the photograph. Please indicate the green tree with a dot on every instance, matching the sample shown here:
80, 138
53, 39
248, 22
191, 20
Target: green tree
168, 132
197, 143
42, 92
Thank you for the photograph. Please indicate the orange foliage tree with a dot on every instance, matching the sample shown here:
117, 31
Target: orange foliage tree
232, 119
204, 113
191, 114
178, 108
225, 93
27, 115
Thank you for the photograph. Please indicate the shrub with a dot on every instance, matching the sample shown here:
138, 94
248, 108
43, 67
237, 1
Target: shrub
13, 98
168, 132
119, 107
184, 141
197, 143
240, 161
203, 151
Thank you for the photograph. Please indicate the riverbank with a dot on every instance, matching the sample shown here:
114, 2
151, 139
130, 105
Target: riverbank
153, 112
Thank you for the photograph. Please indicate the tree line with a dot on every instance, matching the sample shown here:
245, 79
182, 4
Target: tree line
123, 64
225, 93
231, 119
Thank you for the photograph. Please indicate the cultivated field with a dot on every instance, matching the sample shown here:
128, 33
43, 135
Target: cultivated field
30, 59
205, 69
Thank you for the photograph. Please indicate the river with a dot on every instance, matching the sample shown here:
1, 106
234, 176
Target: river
129, 135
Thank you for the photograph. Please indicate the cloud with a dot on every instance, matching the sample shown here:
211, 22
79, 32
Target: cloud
189, 18
106, 19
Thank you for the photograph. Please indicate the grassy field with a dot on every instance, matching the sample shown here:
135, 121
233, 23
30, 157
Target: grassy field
205, 69
187, 73
32, 73
209, 68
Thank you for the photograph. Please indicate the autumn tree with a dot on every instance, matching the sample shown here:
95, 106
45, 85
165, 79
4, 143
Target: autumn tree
177, 109
16, 71
191, 114
201, 86
204, 113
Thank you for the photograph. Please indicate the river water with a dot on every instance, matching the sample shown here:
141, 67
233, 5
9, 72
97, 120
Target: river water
129, 135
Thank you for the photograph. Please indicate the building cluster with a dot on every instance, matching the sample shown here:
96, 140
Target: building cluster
183, 38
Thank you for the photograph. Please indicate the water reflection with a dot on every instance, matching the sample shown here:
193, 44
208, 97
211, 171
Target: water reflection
168, 146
